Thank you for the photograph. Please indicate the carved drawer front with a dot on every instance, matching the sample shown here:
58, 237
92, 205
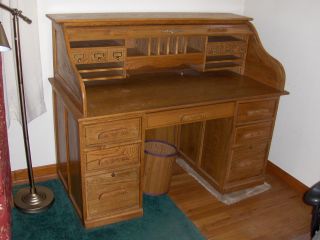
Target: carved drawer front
113, 157
237, 48
116, 54
113, 132
251, 133
253, 111
80, 56
189, 115
98, 55
248, 161
112, 193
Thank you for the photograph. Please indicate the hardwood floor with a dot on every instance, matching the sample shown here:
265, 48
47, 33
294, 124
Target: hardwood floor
276, 214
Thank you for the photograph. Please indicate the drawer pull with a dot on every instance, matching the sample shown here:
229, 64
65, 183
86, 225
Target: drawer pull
111, 194
113, 174
117, 131
111, 160
78, 57
194, 117
117, 55
258, 112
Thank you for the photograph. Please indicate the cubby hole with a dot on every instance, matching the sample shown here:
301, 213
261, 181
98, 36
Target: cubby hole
97, 43
102, 74
223, 38
137, 47
195, 44
99, 66
163, 46
182, 44
101, 71
154, 48
221, 65
221, 58
173, 45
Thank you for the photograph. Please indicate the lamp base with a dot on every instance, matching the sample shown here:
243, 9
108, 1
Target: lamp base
28, 202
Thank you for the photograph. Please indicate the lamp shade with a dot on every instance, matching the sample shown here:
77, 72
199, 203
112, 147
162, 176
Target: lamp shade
4, 44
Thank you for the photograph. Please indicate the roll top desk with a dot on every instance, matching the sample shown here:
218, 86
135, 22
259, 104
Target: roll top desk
202, 81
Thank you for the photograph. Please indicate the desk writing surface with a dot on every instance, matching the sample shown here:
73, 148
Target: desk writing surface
156, 91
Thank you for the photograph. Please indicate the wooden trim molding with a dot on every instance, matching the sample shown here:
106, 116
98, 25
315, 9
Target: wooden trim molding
41, 173
286, 177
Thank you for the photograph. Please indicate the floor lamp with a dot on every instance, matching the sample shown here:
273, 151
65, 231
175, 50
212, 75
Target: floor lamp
31, 199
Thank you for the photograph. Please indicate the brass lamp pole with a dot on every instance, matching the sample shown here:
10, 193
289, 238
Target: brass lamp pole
33, 199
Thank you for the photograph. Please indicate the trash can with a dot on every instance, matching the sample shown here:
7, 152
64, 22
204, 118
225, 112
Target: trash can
159, 157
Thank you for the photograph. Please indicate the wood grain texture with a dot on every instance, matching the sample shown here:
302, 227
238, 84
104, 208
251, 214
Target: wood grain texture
110, 158
61, 140
189, 115
262, 64
146, 18
64, 71
216, 147
75, 186
157, 174
190, 141
170, 135
278, 213
173, 90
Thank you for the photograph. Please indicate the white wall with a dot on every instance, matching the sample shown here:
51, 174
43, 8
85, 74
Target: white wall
290, 31
41, 129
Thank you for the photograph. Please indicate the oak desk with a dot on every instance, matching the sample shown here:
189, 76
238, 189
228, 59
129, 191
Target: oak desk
200, 81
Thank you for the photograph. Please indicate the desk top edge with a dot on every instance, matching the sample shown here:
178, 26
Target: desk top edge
149, 17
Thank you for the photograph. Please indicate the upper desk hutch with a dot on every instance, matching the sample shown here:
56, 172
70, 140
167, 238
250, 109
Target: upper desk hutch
202, 81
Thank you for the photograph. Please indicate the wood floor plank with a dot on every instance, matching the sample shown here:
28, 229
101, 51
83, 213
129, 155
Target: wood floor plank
278, 213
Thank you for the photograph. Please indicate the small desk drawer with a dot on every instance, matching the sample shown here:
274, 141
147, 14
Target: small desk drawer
188, 115
113, 157
237, 48
80, 56
248, 161
113, 132
112, 193
259, 110
251, 133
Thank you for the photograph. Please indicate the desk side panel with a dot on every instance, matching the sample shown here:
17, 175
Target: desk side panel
68, 150
64, 71
261, 66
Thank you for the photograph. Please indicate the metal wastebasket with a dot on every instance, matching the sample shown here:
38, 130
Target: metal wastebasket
159, 157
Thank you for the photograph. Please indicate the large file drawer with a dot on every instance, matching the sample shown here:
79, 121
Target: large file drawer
112, 193
248, 161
